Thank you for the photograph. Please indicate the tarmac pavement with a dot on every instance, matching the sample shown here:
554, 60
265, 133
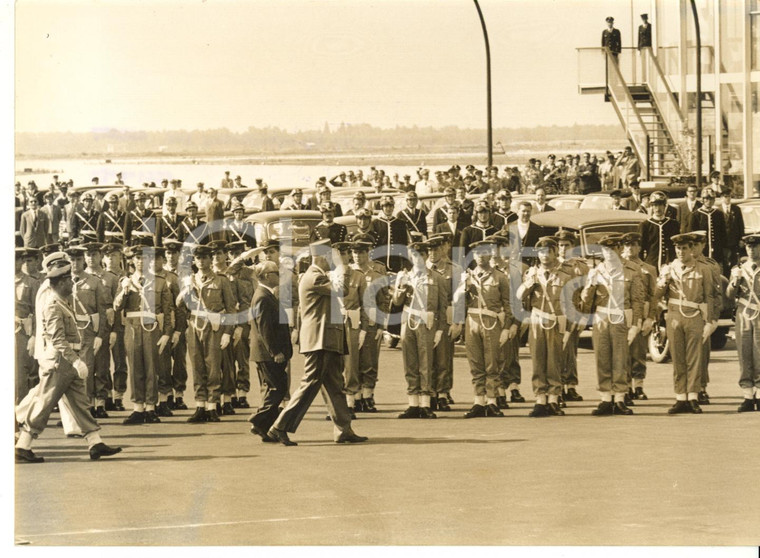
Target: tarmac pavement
647, 479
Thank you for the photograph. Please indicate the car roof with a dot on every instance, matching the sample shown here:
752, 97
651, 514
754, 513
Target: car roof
579, 218
269, 216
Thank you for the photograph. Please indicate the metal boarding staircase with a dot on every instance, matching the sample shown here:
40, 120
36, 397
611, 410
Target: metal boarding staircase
647, 109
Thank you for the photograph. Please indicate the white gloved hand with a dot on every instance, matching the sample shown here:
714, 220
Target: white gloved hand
706, 333
162, 341
378, 335
225, 341
565, 338
437, 337
28, 324
111, 339
237, 335
503, 337
96, 345
30, 346
110, 316
632, 333
279, 358
362, 337
294, 336
646, 327
175, 338
81, 368
512, 331
454, 331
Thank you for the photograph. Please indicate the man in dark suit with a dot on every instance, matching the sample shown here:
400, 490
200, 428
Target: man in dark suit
322, 342
479, 230
416, 218
270, 347
453, 226
439, 215
611, 38
523, 234
645, 32
687, 206
541, 205
734, 232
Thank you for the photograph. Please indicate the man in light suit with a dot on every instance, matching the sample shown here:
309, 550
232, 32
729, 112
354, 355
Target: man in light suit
270, 347
322, 342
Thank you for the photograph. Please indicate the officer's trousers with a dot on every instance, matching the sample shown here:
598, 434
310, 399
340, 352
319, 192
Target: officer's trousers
546, 354
443, 365
638, 360
165, 385
118, 353
369, 359
569, 370
142, 360
704, 374
242, 352
417, 355
510, 356
685, 335
351, 360
228, 371
179, 365
611, 351
204, 360
483, 354
57, 382
276, 389
102, 372
24, 362
748, 349
87, 354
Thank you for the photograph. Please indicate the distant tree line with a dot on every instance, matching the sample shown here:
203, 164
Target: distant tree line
337, 138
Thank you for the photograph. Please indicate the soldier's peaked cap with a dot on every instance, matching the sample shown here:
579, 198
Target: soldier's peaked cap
751, 239
680, 239
319, 248
546, 242
632, 238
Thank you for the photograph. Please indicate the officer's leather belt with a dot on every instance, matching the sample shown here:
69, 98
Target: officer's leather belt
87, 231
483, 312
142, 314
683, 302
206, 314
141, 233
617, 312
86, 317
114, 233
744, 301
544, 315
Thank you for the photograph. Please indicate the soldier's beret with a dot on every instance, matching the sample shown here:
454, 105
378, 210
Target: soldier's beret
411, 194
172, 245
681, 239
270, 243
319, 248
386, 200
363, 213
546, 242
237, 246
632, 238
751, 239
342, 246
202, 251
326, 206
610, 240
56, 265
358, 246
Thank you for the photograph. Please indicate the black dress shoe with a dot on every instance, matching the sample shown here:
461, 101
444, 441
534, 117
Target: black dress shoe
243, 403
359, 406
102, 450
92, 411
476, 411
262, 434
639, 394
703, 398
516, 397
603, 409
449, 399
109, 404
369, 405
426, 413
561, 402
628, 399
443, 405
163, 409
695, 408
234, 402
746, 406
151, 417
212, 416
219, 408
227, 409
179, 404
119, 405
280, 436
410, 413
350, 437
621, 409
493, 411
572, 395
170, 402
501, 402
137, 417
556, 410
351, 413
433, 403
393, 343
540, 411
100, 412
27, 456
680, 407
198, 416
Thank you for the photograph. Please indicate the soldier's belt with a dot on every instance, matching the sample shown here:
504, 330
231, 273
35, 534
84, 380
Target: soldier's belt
543, 315
214, 318
353, 317
141, 233
141, 314
89, 318
427, 317
745, 302
87, 231
486, 312
114, 233
683, 302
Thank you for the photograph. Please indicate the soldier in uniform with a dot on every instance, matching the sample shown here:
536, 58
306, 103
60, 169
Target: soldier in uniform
744, 287
208, 298
577, 268
62, 370
488, 326
102, 371
540, 294
611, 38
110, 227
178, 371
614, 294
657, 233
687, 286
170, 224
114, 271
503, 214
415, 218
238, 229
195, 230
422, 294
327, 228
84, 220
364, 227
711, 220
479, 230
443, 354
376, 298
145, 299
638, 351
25, 290
140, 223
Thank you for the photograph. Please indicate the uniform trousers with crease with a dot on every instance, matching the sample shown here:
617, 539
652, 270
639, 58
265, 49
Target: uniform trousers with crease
351, 360
484, 354
369, 358
546, 354
417, 355
276, 377
685, 335
748, 349
143, 360
611, 352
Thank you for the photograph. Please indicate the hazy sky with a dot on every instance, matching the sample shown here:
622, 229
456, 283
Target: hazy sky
159, 65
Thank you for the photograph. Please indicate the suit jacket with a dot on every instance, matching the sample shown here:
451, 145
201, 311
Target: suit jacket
321, 321
645, 36
269, 337
531, 237
35, 232
612, 40
714, 223
55, 215
685, 214
734, 226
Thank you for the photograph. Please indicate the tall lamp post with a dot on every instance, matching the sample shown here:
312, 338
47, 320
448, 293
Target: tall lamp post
488, 83
699, 95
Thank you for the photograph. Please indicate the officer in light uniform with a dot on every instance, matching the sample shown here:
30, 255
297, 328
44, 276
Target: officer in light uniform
699, 238
25, 291
540, 294
577, 267
422, 294
614, 294
208, 299
376, 299
488, 326
638, 350
744, 287
89, 303
62, 371
110, 283
443, 355
687, 286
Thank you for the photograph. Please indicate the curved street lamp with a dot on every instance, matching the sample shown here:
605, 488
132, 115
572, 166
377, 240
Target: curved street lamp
488, 83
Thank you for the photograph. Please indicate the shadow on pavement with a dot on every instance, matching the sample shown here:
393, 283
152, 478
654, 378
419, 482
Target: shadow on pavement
409, 441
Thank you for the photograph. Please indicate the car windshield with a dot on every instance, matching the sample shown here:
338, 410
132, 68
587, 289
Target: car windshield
593, 234
596, 202
560, 204
299, 230
751, 214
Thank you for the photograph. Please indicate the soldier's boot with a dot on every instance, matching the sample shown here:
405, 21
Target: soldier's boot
219, 408
573, 395
628, 398
620, 408
747, 406
603, 409
555, 410
212, 416
179, 404
426, 413
443, 405
100, 412
703, 398
227, 409
235, 403
118, 404
163, 409
476, 411
109, 404
198, 416
137, 417
92, 411
369, 404
170, 402
501, 402
359, 406
493, 411
516, 397
694, 406
151, 417
410, 413
680, 407
449, 398
639, 394
433, 403
540, 410
561, 401
243, 402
